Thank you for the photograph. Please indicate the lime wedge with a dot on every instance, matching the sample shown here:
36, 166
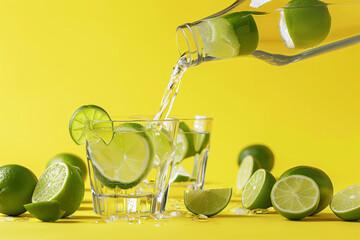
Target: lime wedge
201, 136
80, 123
127, 160
45, 211
257, 190
184, 143
208, 202
63, 183
179, 175
295, 197
247, 167
162, 142
346, 204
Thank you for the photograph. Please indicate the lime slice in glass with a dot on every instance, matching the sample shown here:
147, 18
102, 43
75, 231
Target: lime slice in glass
218, 38
208, 202
80, 123
295, 197
179, 175
247, 167
127, 160
45, 211
257, 190
201, 137
63, 183
181, 148
346, 204
162, 142
304, 23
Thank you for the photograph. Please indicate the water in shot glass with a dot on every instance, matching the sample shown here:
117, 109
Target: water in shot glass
191, 154
129, 164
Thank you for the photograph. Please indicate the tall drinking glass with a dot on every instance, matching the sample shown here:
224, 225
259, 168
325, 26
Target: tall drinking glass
192, 151
129, 164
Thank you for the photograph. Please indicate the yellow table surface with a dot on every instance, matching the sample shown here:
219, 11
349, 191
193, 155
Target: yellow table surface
85, 224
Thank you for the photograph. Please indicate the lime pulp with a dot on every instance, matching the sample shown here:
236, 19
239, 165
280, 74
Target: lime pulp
346, 204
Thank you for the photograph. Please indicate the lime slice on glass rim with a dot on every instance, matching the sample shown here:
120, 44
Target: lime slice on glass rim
63, 183
82, 120
295, 197
257, 190
208, 202
126, 160
346, 204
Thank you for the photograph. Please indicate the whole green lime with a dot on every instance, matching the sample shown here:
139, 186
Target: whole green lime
321, 179
261, 152
69, 159
308, 22
17, 184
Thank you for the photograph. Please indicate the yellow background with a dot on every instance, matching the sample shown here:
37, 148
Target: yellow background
58, 55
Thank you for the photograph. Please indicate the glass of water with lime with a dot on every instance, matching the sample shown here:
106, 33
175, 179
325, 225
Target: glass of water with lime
191, 153
129, 164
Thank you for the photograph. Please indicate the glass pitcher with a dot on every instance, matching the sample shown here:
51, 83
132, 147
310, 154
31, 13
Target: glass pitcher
278, 32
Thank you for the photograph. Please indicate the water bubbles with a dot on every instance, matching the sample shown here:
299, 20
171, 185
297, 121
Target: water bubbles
241, 211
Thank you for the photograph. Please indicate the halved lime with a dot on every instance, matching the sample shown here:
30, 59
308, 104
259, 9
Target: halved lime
248, 166
295, 197
127, 160
63, 183
45, 211
322, 180
208, 202
179, 175
80, 123
201, 136
184, 143
346, 204
257, 190
304, 23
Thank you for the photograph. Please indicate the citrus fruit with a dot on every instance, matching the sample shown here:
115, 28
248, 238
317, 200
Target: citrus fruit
257, 190
246, 31
321, 179
346, 204
184, 143
179, 175
81, 122
247, 167
304, 23
261, 152
208, 202
127, 160
49, 211
69, 159
201, 135
162, 142
295, 197
17, 184
63, 183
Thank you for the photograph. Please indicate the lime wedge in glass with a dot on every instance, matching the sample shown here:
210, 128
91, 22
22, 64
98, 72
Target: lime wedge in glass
257, 190
63, 183
346, 204
127, 160
181, 148
162, 142
295, 197
208, 202
179, 175
201, 137
45, 211
247, 167
219, 38
304, 23
80, 123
